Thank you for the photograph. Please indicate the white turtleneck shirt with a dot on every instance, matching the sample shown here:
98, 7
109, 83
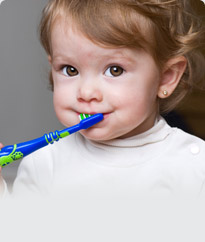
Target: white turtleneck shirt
162, 161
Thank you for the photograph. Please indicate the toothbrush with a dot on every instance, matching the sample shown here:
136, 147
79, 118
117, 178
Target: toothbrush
10, 153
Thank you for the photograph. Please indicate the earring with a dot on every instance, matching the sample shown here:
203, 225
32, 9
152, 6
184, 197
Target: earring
165, 92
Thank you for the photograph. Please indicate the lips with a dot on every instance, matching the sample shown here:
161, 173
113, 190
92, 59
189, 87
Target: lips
105, 115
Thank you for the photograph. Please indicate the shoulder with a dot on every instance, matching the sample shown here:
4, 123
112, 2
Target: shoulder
178, 143
193, 143
187, 146
184, 161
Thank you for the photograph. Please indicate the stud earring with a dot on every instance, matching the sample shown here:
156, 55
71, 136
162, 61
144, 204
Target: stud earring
165, 92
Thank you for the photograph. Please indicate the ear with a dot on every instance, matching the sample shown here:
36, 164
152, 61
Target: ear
171, 76
49, 59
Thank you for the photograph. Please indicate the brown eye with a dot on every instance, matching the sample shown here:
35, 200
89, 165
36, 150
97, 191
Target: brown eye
114, 71
70, 71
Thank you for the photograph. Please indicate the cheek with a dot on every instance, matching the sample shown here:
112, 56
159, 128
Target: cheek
60, 110
64, 102
62, 95
57, 99
60, 101
135, 99
126, 96
57, 103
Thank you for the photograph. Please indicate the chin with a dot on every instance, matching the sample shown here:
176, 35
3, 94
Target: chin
96, 134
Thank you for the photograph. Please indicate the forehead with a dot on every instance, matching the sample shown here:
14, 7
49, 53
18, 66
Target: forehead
115, 27
67, 40
66, 37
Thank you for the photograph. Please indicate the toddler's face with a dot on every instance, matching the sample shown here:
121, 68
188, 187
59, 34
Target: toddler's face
119, 82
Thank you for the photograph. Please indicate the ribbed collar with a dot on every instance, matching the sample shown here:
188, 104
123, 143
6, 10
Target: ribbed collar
157, 133
130, 151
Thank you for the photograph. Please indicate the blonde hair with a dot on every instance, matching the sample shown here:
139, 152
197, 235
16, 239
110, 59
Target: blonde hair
165, 29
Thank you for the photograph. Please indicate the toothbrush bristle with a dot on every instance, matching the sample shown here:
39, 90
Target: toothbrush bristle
83, 116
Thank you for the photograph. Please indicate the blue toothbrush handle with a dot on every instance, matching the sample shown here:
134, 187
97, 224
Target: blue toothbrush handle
10, 153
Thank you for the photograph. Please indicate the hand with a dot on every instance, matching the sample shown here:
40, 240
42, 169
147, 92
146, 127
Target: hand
1, 178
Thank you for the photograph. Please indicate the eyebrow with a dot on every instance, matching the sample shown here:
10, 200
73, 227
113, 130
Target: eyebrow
59, 56
118, 54
111, 56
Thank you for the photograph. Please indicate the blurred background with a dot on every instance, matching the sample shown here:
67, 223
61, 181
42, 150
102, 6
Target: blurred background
26, 108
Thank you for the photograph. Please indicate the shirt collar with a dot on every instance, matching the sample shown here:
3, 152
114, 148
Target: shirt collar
157, 133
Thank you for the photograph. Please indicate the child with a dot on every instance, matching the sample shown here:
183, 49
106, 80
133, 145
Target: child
131, 60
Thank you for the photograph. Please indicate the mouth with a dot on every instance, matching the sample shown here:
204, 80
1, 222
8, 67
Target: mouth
105, 115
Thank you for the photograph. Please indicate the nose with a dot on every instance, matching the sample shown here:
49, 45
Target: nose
89, 91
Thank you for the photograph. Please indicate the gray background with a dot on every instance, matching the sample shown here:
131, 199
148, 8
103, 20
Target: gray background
26, 108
